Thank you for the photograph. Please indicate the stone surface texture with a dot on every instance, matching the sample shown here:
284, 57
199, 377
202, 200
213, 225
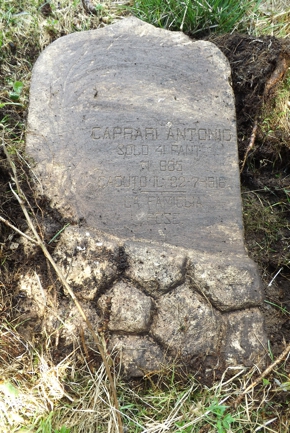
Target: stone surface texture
242, 345
132, 129
88, 263
154, 268
229, 284
130, 309
192, 316
138, 354
186, 323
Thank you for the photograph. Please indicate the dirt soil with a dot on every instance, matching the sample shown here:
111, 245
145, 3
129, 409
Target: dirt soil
265, 183
259, 66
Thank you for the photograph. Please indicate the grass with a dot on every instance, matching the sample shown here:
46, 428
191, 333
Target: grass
195, 17
276, 114
39, 395
272, 18
265, 224
282, 309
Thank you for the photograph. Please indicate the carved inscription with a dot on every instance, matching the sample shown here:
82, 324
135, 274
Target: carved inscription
169, 173
158, 182
179, 134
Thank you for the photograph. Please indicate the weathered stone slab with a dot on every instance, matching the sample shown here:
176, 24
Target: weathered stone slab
134, 131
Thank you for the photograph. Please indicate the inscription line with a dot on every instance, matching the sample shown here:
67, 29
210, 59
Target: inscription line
162, 192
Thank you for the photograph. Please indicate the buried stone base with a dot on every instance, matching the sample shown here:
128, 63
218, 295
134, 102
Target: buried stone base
158, 305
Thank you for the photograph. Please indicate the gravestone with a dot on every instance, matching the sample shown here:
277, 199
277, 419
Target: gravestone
133, 132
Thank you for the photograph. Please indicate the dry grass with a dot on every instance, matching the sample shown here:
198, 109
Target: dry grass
38, 396
272, 18
276, 114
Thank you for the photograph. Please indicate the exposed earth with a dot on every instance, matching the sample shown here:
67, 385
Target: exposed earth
258, 69
258, 65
